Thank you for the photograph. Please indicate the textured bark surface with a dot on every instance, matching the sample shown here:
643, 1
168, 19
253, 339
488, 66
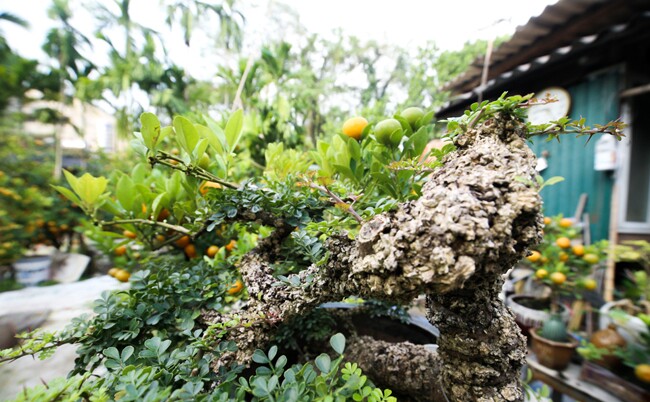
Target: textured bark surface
477, 217
404, 368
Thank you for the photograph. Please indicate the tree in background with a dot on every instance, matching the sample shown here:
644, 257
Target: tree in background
62, 44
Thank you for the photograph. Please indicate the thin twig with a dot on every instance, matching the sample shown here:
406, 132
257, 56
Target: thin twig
237, 103
338, 200
476, 118
165, 225
191, 170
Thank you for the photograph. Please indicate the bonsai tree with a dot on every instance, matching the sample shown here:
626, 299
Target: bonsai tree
562, 262
30, 213
361, 215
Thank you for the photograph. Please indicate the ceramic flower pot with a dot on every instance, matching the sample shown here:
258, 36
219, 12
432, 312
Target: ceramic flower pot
32, 270
554, 355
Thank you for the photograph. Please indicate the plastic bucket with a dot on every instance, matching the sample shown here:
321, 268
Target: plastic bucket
32, 270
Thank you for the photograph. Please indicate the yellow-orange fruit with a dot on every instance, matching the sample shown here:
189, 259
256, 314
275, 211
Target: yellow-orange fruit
231, 246
578, 250
206, 186
236, 287
563, 242
212, 251
122, 275
354, 126
121, 250
534, 256
183, 241
558, 278
190, 251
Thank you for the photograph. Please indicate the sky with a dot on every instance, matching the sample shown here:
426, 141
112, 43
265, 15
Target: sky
406, 23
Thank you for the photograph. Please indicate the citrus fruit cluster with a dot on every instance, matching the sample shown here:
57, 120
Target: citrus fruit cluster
120, 274
562, 260
388, 132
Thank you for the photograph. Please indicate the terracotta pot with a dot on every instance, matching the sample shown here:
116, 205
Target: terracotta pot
608, 338
554, 355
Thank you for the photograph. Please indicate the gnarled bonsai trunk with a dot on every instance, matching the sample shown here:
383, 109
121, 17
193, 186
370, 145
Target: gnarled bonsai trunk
478, 215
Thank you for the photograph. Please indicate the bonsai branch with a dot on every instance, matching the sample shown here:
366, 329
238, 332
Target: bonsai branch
338, 201
176, 228
189, 169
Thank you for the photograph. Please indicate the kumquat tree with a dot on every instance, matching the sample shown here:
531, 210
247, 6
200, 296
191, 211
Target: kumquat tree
225, 254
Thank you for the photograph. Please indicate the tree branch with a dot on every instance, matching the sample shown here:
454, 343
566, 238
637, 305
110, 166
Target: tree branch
176, 228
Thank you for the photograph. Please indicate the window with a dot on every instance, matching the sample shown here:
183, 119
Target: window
634, 157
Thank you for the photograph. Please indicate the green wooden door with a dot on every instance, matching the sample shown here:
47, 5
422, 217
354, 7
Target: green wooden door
595, 99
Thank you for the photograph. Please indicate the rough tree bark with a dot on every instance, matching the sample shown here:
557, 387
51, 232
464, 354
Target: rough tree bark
478, 215
404, 368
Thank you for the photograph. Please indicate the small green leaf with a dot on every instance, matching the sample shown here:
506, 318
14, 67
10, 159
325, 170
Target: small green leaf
158, 203
68, 194
324, 363
260, 357
150, 130
273, 382
90, 188
186, 134
199, 149
338, 343
125, 192
272, 352
212, 138
553, 180
234, 129
111, 353
218, 132
126, 353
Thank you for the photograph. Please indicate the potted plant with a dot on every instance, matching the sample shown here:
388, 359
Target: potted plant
629, 380
552, 344
31, 212
562, 266
623, 313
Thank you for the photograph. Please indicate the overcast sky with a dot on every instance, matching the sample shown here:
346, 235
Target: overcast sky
408, 23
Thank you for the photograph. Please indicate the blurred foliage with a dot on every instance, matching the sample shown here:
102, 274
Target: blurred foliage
31, 212
563, 262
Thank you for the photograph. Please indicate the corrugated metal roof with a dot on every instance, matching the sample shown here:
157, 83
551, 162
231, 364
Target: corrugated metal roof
554, 30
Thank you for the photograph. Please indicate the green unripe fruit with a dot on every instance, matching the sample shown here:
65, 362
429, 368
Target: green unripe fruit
204, 162
412, 115
389, 132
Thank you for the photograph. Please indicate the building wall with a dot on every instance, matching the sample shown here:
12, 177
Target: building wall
98, 128
596, 99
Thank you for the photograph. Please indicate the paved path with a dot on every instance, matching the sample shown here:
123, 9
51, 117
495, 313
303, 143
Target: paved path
64, 302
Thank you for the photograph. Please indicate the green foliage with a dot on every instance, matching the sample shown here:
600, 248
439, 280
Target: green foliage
30, 212
540, 183
323, 380
308, 329
632, 353
531, 394
577, 262
636, 251
516, 106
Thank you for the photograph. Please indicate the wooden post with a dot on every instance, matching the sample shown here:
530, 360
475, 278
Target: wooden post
608, 292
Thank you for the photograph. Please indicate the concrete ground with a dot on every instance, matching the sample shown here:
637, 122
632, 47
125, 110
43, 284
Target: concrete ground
64, 302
